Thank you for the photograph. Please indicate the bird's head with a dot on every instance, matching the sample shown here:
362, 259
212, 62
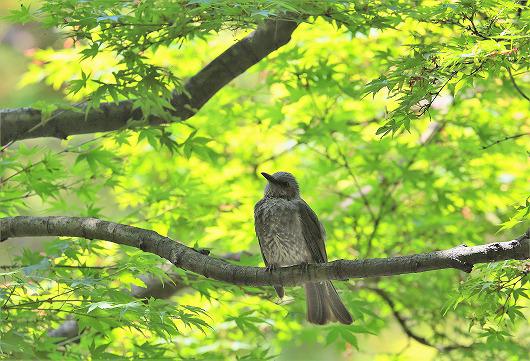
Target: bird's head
281, 185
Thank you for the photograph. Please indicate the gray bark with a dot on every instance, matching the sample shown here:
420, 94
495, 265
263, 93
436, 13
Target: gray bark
461, 257
68, 329
25, 123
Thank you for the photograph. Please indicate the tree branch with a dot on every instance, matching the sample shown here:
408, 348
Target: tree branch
25, 123
508, 137
408, 330
460, 257
400, 319
516, 86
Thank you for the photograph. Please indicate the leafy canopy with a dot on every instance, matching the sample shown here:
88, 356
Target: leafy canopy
405, 122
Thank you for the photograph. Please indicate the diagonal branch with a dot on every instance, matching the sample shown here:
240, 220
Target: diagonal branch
516, 86
408, 330
400, 319
508, 137
461, 257
25, 123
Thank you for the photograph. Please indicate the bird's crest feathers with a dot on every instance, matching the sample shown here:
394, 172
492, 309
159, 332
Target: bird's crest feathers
281, 185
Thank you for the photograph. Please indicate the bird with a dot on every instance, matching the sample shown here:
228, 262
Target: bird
289, 233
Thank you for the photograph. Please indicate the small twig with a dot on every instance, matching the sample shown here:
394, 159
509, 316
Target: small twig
519, 90
65, 150
505, 139
474, 29
32, 194
427, 106
14, 266
8, 298
357, 184
27, 195
7, 145
49, 300
397, 182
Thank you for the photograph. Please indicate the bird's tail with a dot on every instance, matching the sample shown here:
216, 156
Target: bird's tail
324, 304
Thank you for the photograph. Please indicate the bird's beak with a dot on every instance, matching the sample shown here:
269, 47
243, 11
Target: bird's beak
269, 177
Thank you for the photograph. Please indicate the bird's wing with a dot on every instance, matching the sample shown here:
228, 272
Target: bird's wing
258, 227
313, 232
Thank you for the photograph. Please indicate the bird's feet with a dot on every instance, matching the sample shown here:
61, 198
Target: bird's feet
305, 266
271, 267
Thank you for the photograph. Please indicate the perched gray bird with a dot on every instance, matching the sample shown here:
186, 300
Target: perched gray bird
290, 233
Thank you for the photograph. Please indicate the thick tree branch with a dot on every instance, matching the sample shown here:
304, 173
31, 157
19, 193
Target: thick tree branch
461, 257
24, 123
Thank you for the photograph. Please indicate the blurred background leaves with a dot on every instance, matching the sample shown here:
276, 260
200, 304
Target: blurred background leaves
402, 124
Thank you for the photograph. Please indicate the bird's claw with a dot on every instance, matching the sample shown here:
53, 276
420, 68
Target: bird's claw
271, 267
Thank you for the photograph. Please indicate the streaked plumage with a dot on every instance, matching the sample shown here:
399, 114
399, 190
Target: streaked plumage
290, 233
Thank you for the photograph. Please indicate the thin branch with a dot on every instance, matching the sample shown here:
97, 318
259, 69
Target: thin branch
17, 266
461, 257
473, 27
345, 164
8, 297
426, 137
407, 329
8, 144
519, 90
39, 302
505, 139
434, 96
44, 160
357, 184
154, 287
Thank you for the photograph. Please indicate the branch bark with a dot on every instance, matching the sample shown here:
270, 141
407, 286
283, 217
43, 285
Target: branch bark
25, 123
461, 257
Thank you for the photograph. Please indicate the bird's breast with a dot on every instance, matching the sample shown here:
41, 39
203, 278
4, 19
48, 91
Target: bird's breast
280, 232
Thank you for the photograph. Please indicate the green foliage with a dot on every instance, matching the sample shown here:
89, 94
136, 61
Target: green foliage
401, 122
